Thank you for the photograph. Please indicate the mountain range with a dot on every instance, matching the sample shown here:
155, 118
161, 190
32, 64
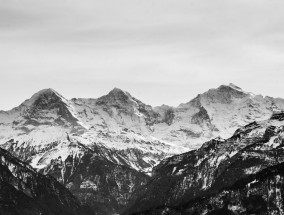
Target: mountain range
117, 154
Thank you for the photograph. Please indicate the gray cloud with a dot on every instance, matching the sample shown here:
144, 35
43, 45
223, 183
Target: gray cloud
163, 51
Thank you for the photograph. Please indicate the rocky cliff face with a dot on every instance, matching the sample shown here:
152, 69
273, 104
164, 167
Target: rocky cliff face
240, 175
96, 181
24, 191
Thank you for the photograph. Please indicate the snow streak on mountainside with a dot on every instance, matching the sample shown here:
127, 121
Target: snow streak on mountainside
56, 135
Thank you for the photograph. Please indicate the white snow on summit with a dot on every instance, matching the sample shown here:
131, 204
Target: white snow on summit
131, 132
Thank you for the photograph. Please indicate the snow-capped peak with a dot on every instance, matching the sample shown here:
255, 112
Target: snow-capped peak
47, 93
116, 92
116, 97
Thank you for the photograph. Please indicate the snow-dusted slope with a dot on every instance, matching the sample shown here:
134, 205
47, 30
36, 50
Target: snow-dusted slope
136, 134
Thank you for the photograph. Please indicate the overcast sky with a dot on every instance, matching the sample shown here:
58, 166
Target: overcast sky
161, 51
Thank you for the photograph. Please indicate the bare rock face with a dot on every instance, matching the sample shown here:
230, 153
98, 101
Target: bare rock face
241, 175
124, 103
201, 117
47, 107
24, 191
225, 94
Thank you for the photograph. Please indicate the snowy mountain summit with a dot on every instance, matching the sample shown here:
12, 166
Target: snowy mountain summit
119, 121
69, 138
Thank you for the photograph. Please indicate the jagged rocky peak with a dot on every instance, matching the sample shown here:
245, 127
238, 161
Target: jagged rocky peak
224, 94
123, 102
118, 98
46, 107
47, 99
115, 97
118, 92
44, 97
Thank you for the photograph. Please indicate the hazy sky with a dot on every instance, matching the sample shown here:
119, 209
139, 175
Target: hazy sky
161, 51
